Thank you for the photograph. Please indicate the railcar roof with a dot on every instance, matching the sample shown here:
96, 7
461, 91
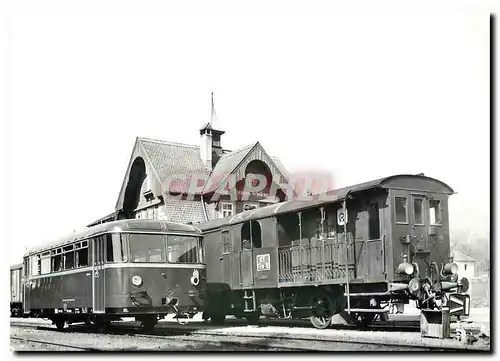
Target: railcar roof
16, 266
136, 225
333, 196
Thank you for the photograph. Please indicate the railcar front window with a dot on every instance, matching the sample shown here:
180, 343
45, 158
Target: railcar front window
183, 249
149, 248
115, 248
418, 208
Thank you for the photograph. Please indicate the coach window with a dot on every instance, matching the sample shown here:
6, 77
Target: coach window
69, 257
82, 254
435, 211
57, 262
251, 236
226, 242
401, 210
115, 248
418, 211
45, 263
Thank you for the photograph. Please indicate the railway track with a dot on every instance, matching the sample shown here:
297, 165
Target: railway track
43, 342
279, 341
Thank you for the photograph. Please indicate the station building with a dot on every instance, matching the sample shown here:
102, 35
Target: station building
196, 183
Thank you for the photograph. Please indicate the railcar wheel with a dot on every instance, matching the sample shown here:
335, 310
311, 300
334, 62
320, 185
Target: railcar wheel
323, 310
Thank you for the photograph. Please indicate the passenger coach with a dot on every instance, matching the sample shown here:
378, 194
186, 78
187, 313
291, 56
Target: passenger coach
130, 268
356, 250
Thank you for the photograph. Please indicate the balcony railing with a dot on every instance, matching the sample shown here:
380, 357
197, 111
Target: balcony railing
320, 261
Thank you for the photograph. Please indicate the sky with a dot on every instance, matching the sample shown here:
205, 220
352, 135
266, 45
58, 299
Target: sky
359, 94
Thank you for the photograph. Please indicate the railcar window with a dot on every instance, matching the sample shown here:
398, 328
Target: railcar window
147, 247
115, 248
35, 265
226, 242
418, 209
69, 257
82, 254
57, 261
401, 210
45, 263
435, 211
182, 249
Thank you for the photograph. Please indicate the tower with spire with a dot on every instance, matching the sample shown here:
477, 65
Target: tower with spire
211, 147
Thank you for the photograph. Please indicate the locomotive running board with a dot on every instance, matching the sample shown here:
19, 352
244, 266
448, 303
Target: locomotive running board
369, 310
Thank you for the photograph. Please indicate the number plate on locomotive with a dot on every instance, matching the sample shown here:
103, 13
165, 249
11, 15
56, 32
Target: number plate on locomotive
263, 262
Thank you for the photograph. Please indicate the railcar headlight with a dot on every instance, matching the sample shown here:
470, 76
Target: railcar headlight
450, 269
405, 268
137, 281
414, 286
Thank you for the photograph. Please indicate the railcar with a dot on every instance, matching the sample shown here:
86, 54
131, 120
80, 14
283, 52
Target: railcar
128, 268
16, 292
355, 252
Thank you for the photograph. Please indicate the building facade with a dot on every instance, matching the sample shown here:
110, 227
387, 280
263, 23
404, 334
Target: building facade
196, 183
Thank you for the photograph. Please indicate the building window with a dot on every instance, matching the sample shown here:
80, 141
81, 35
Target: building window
401, 210
418, 209
227, 209
226, 242
435, 211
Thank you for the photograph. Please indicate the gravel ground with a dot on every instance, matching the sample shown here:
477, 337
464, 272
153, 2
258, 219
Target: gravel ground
113, 342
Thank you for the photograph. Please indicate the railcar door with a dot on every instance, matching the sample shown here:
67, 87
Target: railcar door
226, 258
98, 275
25, 284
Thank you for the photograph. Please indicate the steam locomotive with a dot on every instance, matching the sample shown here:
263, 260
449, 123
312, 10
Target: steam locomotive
352, 252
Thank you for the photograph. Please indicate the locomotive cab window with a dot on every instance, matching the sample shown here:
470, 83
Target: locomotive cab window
147, 248
435, 216
418, 211
251, 235
115, 248
401, 210
226, 242
373, 221
183, 249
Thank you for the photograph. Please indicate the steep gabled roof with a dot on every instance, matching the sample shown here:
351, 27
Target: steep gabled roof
462, 257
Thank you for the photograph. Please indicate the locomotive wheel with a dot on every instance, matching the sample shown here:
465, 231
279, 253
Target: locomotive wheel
218, 318
253, 317
60, 324
323, 310
149, 323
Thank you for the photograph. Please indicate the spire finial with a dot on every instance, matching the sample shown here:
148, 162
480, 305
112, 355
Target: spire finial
213, 115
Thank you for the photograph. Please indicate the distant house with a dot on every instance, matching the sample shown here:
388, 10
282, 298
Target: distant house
466, 264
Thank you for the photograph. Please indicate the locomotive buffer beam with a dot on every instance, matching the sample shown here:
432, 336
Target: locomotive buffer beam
367, 294
368, 310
